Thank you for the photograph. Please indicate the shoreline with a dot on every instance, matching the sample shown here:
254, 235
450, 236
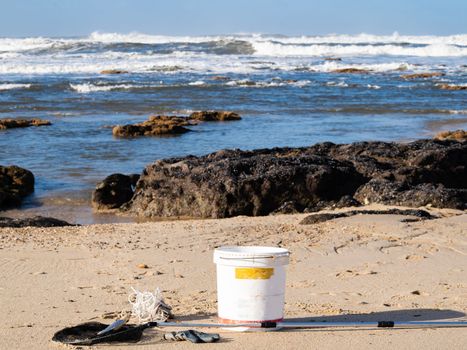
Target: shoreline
358, 268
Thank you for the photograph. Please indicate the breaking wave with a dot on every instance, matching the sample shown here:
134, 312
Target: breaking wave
362, 44
88, 87
432, 50
11, 86
242, 54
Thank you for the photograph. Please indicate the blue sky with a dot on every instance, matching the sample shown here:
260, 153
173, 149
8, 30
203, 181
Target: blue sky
196, 17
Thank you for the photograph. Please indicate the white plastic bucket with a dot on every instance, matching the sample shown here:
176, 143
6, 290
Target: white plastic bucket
250, 284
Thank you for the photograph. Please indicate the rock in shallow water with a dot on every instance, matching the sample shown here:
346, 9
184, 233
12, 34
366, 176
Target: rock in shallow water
10, 123
210, 116
452, 87
233, 182
155, 126
351, 71
114, 191
160, 125
15, 183
459, 135
422, 75
114, 71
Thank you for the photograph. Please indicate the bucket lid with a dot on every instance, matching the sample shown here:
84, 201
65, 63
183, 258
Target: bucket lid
250, 253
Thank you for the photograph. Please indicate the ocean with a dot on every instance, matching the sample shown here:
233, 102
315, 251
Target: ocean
285, 88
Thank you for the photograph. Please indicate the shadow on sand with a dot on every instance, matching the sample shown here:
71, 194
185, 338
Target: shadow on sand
396, 315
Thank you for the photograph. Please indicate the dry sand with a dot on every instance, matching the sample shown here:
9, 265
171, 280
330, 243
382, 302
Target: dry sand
358, 268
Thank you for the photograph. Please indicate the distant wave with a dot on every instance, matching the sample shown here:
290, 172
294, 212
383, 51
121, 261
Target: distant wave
236, 54
432, 50
8, 86
395, 38
362, 44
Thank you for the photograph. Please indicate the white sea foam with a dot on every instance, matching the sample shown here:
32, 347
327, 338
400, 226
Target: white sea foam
11, 86
197, 83
363, 38
86, 88
212, 64
432, 50
140, 38
269, 83
331, 66
395, 38
337, 83
460, 111
67, 56
301, 45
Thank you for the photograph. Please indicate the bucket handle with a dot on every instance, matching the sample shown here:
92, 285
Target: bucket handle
254, 257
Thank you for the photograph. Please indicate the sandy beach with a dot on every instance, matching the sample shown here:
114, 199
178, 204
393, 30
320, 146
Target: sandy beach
365, 267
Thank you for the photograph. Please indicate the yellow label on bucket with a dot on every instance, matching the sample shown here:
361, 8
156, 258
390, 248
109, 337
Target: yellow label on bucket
253, 273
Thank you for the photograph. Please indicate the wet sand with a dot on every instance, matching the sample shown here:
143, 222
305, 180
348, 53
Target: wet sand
354, 269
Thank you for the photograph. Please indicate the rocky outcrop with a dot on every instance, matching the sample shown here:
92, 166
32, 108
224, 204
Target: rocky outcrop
210, 116
114, 71
452, 87
287, 180
10, 123
156, 125
36, 221
459, 135
230, 183
221, 78
114, 191
160, 125
422, 75
15, 184
351, 71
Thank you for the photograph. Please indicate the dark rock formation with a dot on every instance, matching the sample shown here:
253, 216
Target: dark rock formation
220, 78
459, 135
343, 202
114, 191
400, 193
15, 183
287, 208
317, 218
156, 125
210, 116
230, 183
36, 221
10, 123
422, 75
288, 180
351, 71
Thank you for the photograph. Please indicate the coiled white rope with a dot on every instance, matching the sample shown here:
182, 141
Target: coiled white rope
148, 306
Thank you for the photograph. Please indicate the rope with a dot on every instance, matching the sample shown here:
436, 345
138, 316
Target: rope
148, 306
